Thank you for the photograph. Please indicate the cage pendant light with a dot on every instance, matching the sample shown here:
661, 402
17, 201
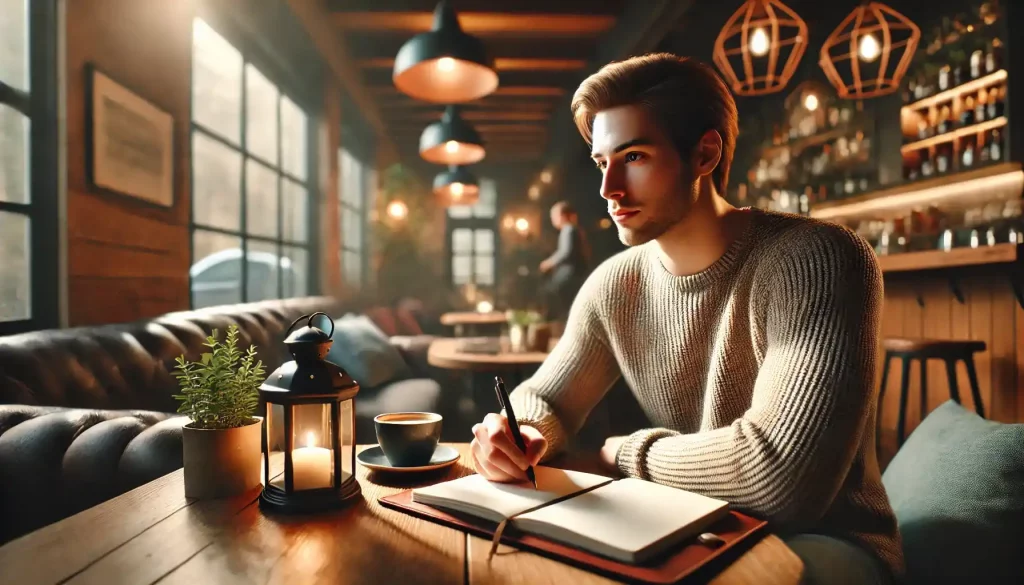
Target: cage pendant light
869, 52
760, 46
444, 65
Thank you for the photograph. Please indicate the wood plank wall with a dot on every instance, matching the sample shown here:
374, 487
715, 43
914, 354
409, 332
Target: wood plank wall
923, 305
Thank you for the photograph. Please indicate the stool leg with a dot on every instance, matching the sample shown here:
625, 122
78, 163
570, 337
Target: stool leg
881, 392
954, 389
924, 387
975, 391
904, 388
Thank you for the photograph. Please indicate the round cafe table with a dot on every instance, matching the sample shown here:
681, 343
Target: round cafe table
473, 322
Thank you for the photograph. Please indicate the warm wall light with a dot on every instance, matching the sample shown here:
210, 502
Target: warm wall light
522, 225
605, 223
811, 102
760, 46
857, 63
545, 177
508, 222
444, 65
534, 193
451, 141
397, 210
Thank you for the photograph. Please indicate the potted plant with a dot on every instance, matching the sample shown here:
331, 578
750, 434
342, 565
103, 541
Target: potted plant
524, 330
222, 444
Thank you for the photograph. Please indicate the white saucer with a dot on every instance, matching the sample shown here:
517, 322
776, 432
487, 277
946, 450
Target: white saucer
374, 458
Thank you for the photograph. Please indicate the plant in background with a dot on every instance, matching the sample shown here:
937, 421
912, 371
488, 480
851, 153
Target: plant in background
221, 390
523, 318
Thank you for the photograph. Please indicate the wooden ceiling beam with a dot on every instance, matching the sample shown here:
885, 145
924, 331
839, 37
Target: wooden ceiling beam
500, 64
484, 24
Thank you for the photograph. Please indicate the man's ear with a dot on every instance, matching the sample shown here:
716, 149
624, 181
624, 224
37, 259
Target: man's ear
707, 154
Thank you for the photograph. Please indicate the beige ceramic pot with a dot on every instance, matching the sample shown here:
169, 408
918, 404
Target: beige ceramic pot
221, 463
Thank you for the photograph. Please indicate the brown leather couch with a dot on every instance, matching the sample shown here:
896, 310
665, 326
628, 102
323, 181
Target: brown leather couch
88, 413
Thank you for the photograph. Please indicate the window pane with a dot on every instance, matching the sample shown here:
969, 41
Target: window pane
352, 268
13, 154
484, 242
260, 115
296, 267
216, 184
488, 203
349, 185
261, 199
295, 206
485, 270
460, 211
293, 138
15, 280
217, 269
352, 229
216, 82
261, 281
462, 241
462, 269
14, 43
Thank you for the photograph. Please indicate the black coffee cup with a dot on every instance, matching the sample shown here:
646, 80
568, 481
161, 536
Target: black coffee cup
408, 439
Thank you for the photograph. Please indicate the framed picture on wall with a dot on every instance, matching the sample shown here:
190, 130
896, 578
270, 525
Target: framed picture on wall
130, 142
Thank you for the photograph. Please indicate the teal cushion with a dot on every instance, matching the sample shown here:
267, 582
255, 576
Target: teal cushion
957, 488
363, 350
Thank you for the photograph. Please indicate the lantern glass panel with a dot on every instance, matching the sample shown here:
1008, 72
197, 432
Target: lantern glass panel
312, 454
275, 440
346, 428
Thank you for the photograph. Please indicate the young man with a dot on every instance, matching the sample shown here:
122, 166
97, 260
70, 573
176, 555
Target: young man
748, 337
567, 265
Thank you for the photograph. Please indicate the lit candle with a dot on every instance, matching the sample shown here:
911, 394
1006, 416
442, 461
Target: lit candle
311, 466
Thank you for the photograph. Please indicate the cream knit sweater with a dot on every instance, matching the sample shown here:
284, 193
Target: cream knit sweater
757, 371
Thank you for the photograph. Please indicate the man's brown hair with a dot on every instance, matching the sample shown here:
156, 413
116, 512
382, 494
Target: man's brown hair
685, 96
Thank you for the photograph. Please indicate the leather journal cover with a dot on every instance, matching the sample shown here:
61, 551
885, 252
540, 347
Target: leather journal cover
739, 531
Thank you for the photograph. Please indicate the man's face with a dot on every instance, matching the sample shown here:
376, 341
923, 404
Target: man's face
556, 217
648, 186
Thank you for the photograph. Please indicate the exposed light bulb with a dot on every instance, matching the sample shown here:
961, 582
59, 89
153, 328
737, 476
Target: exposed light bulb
397, 210
545, 177
451, 146
759, 43
868, 48
811, 102
522, 225
605, 223
457, 190
446, 64
484, 307
534, 193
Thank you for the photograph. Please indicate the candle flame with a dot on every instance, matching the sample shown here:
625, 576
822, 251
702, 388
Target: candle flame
310, 440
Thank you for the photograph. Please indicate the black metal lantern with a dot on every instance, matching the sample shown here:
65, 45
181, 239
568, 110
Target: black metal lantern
309, 421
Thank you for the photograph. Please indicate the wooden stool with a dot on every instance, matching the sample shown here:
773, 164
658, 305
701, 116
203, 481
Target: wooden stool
949, 351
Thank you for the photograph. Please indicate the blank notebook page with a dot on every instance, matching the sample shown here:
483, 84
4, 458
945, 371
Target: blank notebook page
630, 514
507, 499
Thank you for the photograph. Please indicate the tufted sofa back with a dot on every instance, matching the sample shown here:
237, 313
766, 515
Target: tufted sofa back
131, 366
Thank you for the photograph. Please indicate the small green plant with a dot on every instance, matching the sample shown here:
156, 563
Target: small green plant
523, 318
221, 390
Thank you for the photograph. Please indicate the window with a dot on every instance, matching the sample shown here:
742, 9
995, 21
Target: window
251, 195
472, 240
28, 168
355, 187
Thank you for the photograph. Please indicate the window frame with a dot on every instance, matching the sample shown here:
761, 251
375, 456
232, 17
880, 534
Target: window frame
360, 212
290, 86
474, 223
40, 105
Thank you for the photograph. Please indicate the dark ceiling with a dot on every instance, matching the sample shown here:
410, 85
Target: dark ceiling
543, 49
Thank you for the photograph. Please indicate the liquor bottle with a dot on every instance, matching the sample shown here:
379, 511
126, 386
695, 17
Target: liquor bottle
979, 107
943, 158
945, 121
967, 113
993, 55
967, 156
944, 77
983, 152
977, 63
928, 164
995, 145
996, 102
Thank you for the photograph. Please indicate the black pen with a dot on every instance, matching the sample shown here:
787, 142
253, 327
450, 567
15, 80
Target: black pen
504, 402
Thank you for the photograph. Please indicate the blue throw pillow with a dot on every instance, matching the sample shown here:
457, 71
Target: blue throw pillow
957, 488
363, 350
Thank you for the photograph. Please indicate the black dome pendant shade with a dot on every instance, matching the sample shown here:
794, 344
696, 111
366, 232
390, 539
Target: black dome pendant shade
456, 186
445, 65
451, 141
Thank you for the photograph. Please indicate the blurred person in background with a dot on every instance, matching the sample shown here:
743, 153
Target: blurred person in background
567, 267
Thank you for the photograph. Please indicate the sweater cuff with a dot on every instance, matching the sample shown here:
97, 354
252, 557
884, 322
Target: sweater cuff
534, 411
631, 458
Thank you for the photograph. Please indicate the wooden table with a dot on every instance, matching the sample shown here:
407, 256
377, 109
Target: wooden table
153, 533
444, 353
472, 321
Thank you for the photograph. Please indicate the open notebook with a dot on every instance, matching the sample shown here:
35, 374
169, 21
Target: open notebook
629, 520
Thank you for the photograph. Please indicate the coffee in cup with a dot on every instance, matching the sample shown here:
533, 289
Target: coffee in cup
408, 439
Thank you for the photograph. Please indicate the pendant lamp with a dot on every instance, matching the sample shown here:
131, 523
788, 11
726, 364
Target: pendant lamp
456, 186
869, 52
451, 141
760, 47
445, 65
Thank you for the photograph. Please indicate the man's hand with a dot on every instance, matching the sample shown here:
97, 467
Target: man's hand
545, 266
495, 454
610, 450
